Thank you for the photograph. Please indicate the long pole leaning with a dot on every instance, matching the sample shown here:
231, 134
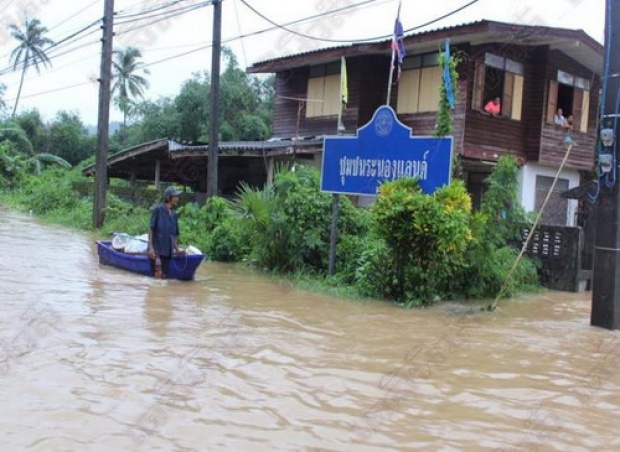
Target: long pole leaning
103, 121
212, 182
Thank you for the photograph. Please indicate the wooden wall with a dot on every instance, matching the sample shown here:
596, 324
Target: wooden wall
477, 134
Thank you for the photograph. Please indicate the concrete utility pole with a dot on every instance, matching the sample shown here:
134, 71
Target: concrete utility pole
103, 123
606, 271
215, 100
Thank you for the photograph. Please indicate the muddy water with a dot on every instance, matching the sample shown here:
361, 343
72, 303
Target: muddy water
94, 358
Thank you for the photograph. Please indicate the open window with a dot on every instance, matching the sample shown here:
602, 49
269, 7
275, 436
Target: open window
418, 86
572, 95
499, 77
323, 96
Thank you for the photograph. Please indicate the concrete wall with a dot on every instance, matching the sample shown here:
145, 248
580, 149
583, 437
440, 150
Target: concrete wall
527, 187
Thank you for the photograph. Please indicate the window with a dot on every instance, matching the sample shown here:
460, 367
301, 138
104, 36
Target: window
556, 210
418, 87
499, 77
572, 95
323, 96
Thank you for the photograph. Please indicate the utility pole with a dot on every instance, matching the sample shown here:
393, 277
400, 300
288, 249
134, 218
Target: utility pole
103, 123
215, 100
606, 272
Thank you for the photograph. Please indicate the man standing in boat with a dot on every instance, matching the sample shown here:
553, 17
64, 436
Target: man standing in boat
164, 233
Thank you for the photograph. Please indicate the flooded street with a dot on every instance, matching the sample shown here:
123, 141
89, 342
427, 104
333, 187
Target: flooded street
93, 358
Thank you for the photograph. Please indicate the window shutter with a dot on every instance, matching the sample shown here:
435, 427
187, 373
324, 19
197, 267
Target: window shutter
316, 90
577, 101
552, 101
430, 80
585, 112
408, 91
478, 93
507, 96
517, 98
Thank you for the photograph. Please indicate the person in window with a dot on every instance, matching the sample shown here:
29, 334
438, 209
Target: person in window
559, 119
568, 122
493, 106
164, 233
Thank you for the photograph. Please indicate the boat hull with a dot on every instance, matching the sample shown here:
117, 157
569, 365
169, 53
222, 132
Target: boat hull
181, 267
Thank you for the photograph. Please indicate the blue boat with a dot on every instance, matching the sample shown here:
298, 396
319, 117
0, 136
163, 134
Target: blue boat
182, 267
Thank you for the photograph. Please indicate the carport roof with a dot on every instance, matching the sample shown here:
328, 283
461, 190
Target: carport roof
140, 160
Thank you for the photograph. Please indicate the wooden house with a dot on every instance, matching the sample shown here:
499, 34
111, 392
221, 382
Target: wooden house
534, 70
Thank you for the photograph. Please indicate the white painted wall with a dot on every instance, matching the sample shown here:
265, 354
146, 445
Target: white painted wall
527, 187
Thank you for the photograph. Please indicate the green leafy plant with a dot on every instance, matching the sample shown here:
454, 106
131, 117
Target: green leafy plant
426, 235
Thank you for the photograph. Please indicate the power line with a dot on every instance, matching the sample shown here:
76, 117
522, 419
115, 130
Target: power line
63, 88
120, 15
245, 59
165, 17
142, 17
376, 38
56, 46
276, 26
67, 19
77, 13
68, 51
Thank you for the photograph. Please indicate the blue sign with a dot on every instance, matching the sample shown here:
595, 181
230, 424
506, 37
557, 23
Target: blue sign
384, 150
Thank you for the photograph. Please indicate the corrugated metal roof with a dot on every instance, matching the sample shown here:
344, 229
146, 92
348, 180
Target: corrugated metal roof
270, 145
382, 45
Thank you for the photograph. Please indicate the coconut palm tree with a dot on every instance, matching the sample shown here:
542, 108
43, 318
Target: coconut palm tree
128, 83
30, 50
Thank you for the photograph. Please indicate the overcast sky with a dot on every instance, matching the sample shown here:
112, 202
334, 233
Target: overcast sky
71, 82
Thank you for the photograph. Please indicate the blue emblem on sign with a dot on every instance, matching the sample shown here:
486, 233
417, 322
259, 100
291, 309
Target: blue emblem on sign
384, 150
384, 123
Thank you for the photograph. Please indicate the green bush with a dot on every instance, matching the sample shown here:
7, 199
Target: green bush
427, 237
50, 191
288, 223
375, 275
501, 204
229, 242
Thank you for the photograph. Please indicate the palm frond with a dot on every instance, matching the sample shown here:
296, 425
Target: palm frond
45, 157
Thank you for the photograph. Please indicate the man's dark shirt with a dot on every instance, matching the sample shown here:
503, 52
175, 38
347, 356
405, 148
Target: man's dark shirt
165, 228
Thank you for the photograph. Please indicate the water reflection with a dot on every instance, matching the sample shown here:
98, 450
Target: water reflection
158, 308
233, 361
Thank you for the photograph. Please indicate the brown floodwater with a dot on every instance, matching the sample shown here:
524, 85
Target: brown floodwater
93, 358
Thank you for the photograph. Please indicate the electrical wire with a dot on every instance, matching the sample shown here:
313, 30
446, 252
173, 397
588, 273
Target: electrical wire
120, 21
77, 13
121, 15
166, 17
65, 20
376, 38
63, 88
275, 26
245, 58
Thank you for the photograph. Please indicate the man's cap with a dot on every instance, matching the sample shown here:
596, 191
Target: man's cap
172, 191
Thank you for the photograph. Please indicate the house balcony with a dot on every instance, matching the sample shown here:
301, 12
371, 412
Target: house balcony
553, 147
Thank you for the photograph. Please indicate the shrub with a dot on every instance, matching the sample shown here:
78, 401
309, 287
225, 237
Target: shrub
427, 236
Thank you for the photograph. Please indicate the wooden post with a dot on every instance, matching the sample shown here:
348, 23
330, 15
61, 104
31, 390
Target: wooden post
212, 181
103, 123
157, 173
270, 171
